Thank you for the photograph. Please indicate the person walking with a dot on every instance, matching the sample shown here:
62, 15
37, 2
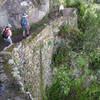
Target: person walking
24, 25
7, 33
61, 9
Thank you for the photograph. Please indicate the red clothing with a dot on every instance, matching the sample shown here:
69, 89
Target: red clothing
8, 31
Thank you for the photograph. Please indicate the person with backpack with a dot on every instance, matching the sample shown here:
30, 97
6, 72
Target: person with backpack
24, 25
7, 34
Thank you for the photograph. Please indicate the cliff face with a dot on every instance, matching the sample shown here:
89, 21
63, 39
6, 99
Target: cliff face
11, 11
32, 57
34, 62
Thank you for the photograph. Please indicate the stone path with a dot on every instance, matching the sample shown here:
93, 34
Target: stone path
15, 39
18, 38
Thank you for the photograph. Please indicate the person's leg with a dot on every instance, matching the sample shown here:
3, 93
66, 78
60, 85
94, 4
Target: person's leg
9, 40
27, 30
23, 33
23, 28
61, 12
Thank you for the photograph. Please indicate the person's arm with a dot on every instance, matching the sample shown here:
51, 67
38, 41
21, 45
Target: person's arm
10, 32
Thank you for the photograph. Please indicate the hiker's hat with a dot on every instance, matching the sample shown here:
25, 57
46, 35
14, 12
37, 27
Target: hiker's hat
24, 15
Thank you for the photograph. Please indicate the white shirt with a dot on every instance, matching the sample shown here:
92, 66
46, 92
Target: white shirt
61, 7
10, 33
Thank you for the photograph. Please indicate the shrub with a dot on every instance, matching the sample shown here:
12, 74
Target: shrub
81, 50
95, 59
72, 3
91, 34
62, 56
73, 36
67, 87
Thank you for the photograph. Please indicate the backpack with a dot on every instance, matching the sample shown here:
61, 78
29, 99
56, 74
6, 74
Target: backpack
5, 34
23, 22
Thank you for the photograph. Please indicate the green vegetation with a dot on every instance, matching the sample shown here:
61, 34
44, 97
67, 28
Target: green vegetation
73, 35
38, 1
33, 27
40, 24
66, 86
95, 59
77, 60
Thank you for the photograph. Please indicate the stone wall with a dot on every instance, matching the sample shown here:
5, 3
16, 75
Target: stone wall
33, 56
34, 59
13, 89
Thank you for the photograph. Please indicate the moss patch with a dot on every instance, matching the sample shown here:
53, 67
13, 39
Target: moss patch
10, 49
7, 67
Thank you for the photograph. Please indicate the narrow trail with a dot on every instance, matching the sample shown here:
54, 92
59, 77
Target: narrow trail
18, 38
15, 39
9, 92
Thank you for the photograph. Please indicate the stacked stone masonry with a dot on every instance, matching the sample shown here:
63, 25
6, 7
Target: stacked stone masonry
33, 56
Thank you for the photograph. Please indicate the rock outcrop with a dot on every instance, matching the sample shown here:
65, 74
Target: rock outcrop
32, 57
11, 88
11, 11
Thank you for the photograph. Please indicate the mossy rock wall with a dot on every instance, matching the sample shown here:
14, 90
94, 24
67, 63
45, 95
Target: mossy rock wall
30, 56
33, 56
11, 11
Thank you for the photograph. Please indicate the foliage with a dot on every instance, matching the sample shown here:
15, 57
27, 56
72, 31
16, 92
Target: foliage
16, 31
38, 1
81, 61
81, 11
67, 87
59, 86
95, 59
74, 60
91, 34
87, 17
40, 24
64, 29
71, 2
61, 56
73, 36
86, 37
